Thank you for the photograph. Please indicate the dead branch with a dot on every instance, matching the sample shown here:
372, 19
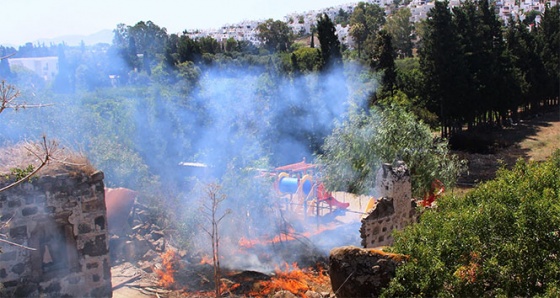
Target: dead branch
210, 210
11, 242
15, 244
8, 95
7, 56
46, 155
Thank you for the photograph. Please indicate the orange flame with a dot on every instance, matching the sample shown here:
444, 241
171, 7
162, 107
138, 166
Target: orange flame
292, 279
288, 235
166, 274
206, 259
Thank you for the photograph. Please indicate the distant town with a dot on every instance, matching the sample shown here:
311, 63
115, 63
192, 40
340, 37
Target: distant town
301, 23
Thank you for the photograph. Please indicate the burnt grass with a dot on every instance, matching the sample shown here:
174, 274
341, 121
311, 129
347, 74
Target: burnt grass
486, 149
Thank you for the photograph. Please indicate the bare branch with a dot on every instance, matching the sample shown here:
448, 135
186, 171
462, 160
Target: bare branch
15, 244
7, 56
8, 95
10, 242
44, 160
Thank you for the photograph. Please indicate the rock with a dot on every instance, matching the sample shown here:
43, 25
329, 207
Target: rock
283, 294
359, 272
312, 294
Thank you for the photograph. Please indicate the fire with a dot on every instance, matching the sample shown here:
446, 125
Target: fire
206, 260
292, 279
289, 234
167, 272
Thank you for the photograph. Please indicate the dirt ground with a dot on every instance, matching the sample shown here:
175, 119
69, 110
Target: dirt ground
529, 139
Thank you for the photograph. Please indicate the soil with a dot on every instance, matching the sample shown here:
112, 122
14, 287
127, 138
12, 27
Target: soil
532, 139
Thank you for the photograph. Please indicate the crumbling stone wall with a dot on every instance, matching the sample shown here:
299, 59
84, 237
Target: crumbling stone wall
358, 272
394, 210
63, 218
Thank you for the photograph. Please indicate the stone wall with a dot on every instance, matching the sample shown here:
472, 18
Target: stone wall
63, 218
358, 272
394, 210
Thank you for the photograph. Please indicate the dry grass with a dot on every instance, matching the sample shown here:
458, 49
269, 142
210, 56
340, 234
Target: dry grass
535, 139
61, 160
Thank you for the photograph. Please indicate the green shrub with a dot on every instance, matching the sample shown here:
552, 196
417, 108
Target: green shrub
501, 239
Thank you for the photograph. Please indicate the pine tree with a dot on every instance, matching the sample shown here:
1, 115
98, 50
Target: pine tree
443, 66
330, 45
548, 37
383, 61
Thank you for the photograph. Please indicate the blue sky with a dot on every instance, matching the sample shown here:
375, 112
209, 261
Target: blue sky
28, 20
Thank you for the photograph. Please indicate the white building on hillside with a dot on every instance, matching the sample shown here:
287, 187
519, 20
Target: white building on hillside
45, 67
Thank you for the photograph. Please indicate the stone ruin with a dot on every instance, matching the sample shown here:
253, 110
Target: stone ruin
394, 210
364, 272
62, 221
359, 272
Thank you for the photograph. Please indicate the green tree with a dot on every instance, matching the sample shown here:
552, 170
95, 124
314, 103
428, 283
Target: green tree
64, 82
398, 25
368, 18
357, 148
150, 40
499, 240
342, 17
188, 49
548, 35
531, 73
231, 45
442, 63
383, 61
209, 45
307, 59
5, 72
123, 47
149, 37
275, 35
330, 45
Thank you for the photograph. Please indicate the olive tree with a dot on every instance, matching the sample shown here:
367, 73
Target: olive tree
357, 147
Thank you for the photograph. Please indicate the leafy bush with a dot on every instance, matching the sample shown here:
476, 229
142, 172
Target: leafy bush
501, 239
357, 147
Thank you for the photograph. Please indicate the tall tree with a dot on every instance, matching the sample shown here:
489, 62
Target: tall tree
383, 61
188, 49
5, 72
398, 25
149, 37
548, 35
330, 45
531, 73
442, 62
365, 21
497, 68
150, 40
357, 147
275, 35
65, 81
123, 47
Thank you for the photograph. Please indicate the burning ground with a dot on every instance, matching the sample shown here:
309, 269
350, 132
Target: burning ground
293, 259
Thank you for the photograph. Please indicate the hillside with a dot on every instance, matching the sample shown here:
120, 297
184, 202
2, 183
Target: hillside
535, 138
